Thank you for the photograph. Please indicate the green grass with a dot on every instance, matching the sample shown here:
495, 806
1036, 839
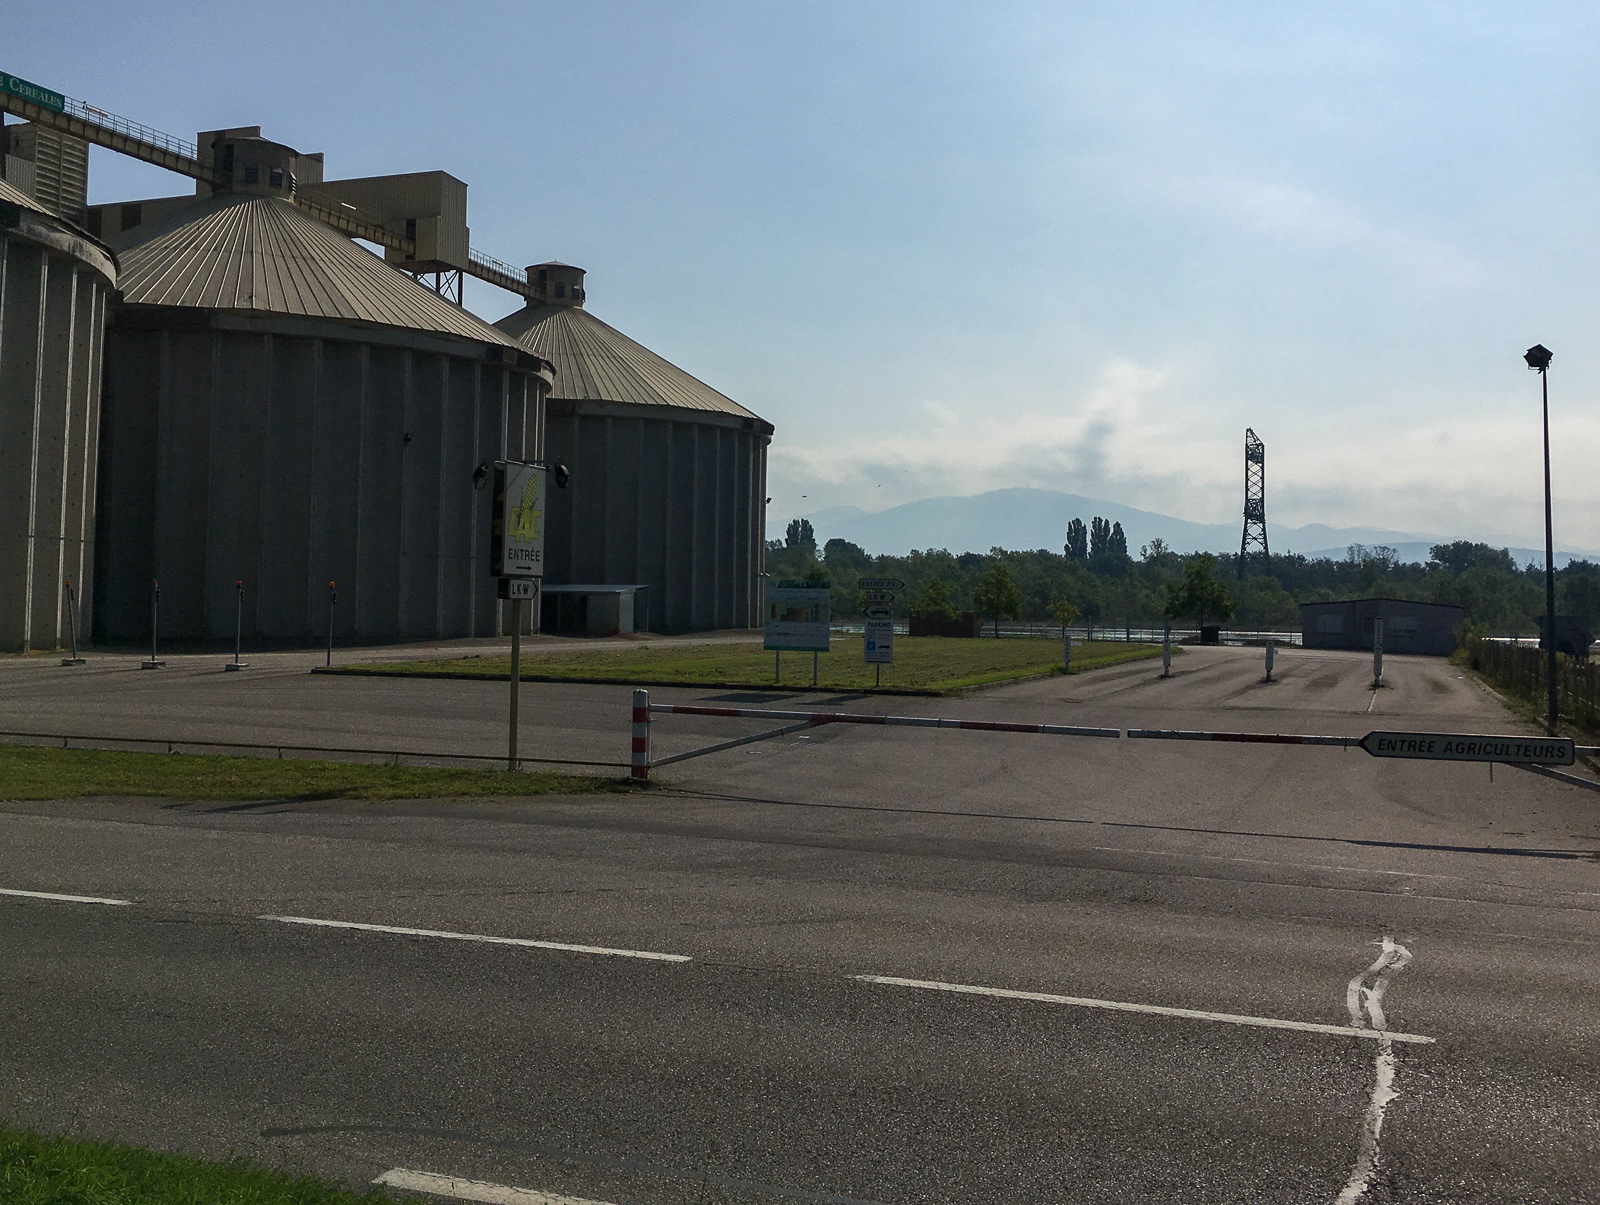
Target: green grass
33, 772
35, 1170
922, 665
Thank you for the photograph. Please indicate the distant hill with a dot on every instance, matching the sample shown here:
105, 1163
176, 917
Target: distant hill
1034, 518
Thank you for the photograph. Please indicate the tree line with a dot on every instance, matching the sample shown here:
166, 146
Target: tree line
1097, 577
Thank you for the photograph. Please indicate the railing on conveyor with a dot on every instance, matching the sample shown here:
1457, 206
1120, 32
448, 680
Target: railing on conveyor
82, 120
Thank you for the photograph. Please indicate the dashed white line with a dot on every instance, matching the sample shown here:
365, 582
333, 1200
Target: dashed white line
65, 899
474, 1190
482, 937
1343, 1031
1366, 1004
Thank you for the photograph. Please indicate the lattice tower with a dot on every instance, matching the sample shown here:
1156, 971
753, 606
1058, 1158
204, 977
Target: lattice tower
1255, 502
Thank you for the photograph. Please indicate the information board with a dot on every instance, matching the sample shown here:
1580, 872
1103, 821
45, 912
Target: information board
516, 545
798, 616
879, 642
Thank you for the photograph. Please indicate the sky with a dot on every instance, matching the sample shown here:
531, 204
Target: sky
950, 248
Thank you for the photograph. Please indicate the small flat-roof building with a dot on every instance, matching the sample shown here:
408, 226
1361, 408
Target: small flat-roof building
1408, 627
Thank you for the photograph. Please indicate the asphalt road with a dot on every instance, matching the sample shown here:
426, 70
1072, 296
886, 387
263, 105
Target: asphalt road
1253, 882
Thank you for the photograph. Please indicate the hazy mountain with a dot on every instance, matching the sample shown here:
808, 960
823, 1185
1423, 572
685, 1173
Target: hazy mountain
1034, 518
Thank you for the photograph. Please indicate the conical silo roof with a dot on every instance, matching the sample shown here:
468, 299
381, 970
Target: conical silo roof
261, 254
596, 362
13, 194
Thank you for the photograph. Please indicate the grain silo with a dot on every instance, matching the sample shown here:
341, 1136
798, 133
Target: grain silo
54, 285
668, 475
284, 409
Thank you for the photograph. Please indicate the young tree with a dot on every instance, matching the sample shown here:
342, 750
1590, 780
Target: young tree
1063, 612
934, 599
1118, 543
1077, 541
1199, 593
996, 595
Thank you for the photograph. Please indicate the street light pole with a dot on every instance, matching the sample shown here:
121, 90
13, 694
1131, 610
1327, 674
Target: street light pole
1538, 357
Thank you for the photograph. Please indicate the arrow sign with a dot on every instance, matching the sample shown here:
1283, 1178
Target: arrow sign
880, 583
876, 611
879, 596
1445, 746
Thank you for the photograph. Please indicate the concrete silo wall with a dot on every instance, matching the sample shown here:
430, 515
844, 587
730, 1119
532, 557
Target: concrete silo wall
287, 453
54, 287
669, 498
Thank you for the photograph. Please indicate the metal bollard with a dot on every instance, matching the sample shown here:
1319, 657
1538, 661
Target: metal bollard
155, 612
72, 626
1269, 660
1166, 652
641, 735
238, 629
333, 597
1377, 653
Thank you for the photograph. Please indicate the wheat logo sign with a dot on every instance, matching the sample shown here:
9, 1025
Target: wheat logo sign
525, 516
518, 534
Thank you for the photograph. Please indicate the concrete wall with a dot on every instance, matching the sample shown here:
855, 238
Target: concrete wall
54, 288
289, 453
675, 499
1408, 627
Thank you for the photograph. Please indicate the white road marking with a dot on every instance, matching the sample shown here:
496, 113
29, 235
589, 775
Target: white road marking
1343, 1031
498, 941
65, 899
1359, 997
474, 1190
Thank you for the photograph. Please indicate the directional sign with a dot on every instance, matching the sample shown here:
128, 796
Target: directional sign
516, 540
519, 587
880, 583
1445, 746
876, 610
880, 596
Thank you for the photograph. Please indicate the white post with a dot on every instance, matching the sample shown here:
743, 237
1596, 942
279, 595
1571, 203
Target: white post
1166, 651
516, 679
641, 735
1269, 658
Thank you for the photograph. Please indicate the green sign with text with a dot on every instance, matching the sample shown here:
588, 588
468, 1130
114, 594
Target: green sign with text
43, 97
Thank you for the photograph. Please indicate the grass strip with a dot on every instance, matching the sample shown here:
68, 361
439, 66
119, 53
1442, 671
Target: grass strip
35, 1170
36, 772
922, 665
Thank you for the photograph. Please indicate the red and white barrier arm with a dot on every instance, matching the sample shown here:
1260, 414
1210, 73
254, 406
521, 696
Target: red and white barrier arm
1240, 738
815, 718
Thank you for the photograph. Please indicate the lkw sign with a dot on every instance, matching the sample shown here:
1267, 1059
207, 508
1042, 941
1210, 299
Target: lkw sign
1445, 746
517, 539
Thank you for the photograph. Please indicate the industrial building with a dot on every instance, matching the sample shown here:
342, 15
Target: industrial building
287, 413
284, 410
55, 282
1408, 627
669, 476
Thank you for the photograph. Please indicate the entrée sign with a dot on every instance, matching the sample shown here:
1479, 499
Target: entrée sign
1444, 746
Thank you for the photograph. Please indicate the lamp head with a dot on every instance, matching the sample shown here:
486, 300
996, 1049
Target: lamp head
480, 475
1538, 357
563, 475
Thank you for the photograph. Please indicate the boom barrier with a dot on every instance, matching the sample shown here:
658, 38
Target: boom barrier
1535, 754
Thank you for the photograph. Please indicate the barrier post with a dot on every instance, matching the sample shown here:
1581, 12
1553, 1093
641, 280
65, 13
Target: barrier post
1066, 651
1166, 651
641, 735
1269, 658
1377, 653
